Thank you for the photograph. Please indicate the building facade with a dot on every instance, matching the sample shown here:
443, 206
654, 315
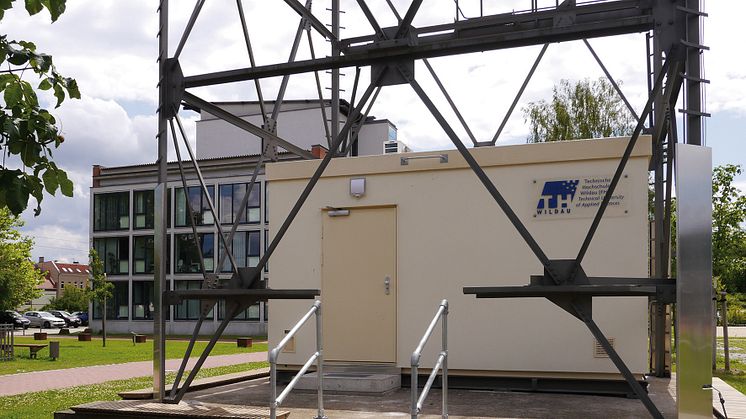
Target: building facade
122, 218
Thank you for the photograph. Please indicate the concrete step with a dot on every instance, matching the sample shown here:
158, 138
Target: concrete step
360, 380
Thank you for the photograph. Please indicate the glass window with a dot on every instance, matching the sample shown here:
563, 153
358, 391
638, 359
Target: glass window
142, 299
143, 254
197, 202
251, 313
143, 209
188, 309
245, 248
266, 202
187, 254
117, 307
111, 211
231, 196
266, 244
114, 253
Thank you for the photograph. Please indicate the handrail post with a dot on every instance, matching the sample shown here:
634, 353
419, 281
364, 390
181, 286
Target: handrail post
442, 363
444, 380
273, 386
319, 365
413, 383
317, 356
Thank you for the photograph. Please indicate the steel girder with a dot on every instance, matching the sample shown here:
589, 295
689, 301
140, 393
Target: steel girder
391, 52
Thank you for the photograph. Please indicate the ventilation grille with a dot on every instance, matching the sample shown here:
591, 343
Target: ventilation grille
598, 350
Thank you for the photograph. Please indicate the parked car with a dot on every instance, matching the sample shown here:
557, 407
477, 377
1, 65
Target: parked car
83, 316
43, 319
12, 317
70, 320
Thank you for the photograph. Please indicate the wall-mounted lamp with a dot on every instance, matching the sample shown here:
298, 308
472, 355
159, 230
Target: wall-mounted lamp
357, 187
442, 157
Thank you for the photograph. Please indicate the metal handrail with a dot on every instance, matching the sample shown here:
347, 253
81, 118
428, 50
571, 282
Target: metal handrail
442, 362
317, 357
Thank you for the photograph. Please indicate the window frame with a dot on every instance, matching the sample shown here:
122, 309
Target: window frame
148, 214
199, 213
101, 208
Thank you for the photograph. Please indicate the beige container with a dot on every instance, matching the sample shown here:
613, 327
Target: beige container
423, 230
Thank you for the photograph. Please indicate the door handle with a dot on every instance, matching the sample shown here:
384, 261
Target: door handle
387, 285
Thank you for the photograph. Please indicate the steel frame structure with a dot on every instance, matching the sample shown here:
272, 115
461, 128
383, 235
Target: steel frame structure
391, 52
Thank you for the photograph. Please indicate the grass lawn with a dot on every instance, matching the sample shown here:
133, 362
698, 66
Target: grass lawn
117, 351
43, 404
737, 375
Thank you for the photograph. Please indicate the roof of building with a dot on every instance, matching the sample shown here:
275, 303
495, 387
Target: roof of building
72, 268
48, 284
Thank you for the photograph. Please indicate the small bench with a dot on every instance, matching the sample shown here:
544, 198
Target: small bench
32, 347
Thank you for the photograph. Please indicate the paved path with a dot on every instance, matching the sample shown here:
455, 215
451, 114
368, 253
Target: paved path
71, 377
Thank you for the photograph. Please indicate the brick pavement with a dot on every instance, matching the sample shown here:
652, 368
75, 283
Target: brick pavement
53, 379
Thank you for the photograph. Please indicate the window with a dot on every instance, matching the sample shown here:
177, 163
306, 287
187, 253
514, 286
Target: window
143, 209
230, 202
197, 202
251, 313
143, 254
187, 254
245, 248
266, 201
117, 307
111, 211
188, 309
266, 244
142, 299
114, 253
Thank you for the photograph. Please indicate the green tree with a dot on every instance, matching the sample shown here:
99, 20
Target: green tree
100, 287
28, 132
72, 299
728, 234
580, 110
19, 277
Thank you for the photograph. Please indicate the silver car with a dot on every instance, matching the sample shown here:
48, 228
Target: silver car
43, 319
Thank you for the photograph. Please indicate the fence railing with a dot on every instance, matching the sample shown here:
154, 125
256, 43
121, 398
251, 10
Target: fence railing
317, 357
6, 342
442, 363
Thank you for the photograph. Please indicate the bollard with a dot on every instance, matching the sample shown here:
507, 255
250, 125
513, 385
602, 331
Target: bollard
54, 349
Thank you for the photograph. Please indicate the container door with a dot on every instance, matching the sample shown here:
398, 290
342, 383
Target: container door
358, 286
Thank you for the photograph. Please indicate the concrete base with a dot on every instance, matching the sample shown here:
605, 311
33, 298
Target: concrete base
352, 382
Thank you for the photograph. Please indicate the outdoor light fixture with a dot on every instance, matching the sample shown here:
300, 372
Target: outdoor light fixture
357, 187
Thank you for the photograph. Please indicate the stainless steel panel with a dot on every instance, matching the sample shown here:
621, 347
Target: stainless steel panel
694, 290
159, 284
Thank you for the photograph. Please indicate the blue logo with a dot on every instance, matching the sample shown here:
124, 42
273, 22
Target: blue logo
556, 197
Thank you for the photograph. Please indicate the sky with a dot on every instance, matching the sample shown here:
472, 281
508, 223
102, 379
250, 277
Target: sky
110, 48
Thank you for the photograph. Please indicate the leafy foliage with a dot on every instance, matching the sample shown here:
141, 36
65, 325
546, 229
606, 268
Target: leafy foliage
72, 299
728, 234
586, 109
28, 132
101, 288
18, 276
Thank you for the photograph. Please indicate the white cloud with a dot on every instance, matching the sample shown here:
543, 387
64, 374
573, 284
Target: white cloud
110, 47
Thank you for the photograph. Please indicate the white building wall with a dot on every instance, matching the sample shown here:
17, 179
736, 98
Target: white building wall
451, 234
299, 123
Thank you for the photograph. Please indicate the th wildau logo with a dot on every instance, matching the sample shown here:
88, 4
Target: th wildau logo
556, 197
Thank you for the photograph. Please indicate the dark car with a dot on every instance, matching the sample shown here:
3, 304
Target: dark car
83, 316
12, 317
70, 320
